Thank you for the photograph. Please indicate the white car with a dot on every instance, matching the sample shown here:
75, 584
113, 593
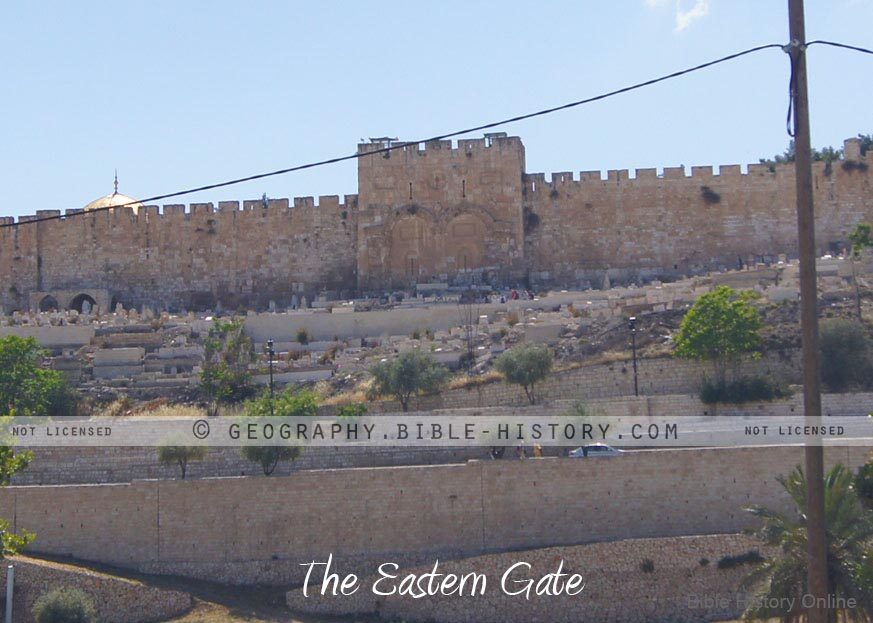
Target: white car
594, 450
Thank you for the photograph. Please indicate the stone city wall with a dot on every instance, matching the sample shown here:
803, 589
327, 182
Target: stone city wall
460, 214
260, 530
118, 600
680, 587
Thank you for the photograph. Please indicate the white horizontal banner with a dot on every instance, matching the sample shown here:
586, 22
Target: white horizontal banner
438, 430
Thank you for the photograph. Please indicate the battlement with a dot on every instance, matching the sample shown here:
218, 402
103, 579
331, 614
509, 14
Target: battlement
463, 148
177, 210
701, 175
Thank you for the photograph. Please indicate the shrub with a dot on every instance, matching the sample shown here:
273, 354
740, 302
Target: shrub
709, 195
845, 354
745, 389
864, 482
751, 557
704, 562
303, 336
512, 318
353, 410
647, 566
65, 605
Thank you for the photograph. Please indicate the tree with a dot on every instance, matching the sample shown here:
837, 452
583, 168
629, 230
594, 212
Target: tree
720, 327
526, 366
845, 354
229, 351
287, 404
860, 238
826, 154
413, 372
170, 455
26, 386
10, 464
780, 583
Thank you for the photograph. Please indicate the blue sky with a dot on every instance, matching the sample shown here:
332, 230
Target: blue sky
178, 94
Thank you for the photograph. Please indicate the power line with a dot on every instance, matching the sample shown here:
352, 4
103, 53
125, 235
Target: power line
457, 133
839, 45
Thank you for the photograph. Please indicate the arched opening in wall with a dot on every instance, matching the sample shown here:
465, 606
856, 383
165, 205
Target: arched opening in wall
113, 304
411, 255
83, 303
49, 303
466, 235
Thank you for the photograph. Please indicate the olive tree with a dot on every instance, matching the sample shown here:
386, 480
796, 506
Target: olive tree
719, 328
525, 365
287, 404
413, 372
180, 456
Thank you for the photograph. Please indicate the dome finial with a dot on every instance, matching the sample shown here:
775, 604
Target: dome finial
116, 182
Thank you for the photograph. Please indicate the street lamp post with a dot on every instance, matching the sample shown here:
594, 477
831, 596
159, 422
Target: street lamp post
632, 323
270, 355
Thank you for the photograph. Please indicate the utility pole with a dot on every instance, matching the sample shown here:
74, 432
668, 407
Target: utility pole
814, 453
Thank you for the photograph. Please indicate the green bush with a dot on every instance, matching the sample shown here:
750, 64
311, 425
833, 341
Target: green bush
647, 566
65, 605
864, 483
845, 355
745, 389
751, 557
303, 337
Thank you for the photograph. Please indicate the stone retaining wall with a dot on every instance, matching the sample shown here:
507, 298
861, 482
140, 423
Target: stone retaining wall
680, 588
260, 530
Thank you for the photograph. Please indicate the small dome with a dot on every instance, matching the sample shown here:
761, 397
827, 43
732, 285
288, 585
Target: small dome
114, 200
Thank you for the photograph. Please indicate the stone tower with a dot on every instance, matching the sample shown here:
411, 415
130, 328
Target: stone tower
432, 212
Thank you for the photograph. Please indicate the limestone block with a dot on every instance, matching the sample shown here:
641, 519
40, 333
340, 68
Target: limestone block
118, 357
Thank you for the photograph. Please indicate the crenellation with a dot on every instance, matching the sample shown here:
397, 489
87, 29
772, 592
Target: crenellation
646, 174
278, 204
732, 171
852, 149
759, 170
702, 172
201, 208
328, 202
41, 214
591, 176
674, 173
561, 177
174, 210
304, 202
229, 206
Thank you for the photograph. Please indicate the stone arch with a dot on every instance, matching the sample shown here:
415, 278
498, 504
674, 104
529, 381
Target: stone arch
466, 235
49, 303
78, 302
411, 249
